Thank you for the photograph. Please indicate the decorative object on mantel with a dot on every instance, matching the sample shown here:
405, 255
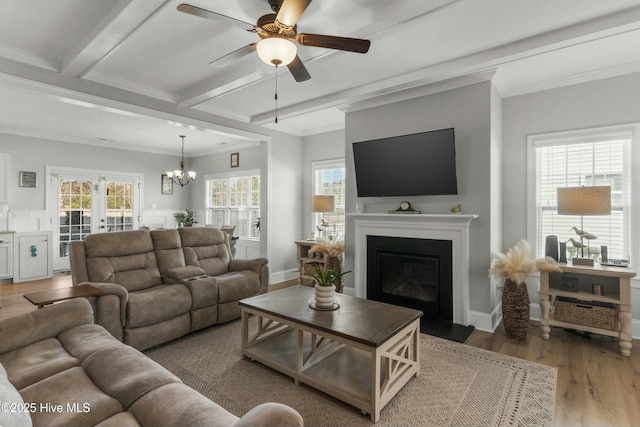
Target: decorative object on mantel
405, 208
333, 251
180, 176
325, 288
595, 200
514, 267
457, 209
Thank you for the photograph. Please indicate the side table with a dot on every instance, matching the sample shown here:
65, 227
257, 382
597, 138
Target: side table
578, 282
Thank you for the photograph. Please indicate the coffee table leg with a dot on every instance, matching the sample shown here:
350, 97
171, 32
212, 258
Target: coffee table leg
245, 331
299, 356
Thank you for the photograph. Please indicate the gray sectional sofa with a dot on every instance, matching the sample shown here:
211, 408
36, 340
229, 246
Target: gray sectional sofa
58, 368
162, 284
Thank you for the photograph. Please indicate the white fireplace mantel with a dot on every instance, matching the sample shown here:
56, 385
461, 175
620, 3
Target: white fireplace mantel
420, 226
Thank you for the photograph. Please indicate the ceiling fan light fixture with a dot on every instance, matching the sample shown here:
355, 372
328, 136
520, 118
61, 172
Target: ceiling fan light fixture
276, 51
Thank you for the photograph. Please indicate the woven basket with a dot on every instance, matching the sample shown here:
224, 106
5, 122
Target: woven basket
597, 315
515, 309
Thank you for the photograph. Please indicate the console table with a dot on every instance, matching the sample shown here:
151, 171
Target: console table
577, 282
306, 264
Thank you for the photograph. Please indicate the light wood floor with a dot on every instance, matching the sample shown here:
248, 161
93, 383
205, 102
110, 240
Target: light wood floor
596, 385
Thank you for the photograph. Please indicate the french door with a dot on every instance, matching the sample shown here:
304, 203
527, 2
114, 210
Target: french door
86, 202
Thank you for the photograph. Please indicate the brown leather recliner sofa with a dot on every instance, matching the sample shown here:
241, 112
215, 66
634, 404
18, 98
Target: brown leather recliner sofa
162, 284
58, 368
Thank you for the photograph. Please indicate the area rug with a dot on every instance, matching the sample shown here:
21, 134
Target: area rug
458, 385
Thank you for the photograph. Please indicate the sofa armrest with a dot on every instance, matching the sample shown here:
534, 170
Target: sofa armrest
271, 414
48, 322
110, 308
176, 274
259, 265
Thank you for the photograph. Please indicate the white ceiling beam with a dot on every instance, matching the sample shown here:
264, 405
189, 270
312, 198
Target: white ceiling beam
488, 60
121, 21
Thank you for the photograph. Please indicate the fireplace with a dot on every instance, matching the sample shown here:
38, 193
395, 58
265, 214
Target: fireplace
411, 272
437, 227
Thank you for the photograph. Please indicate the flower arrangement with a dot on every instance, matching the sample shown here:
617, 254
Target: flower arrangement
517, 264
185, 217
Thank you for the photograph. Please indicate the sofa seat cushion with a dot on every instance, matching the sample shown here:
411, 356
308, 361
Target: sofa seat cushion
123, 419
157, 304
82, 403
9, 394
34, 362
236, 285
126, 374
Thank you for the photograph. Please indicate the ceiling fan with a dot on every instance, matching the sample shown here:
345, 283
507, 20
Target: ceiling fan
278, 32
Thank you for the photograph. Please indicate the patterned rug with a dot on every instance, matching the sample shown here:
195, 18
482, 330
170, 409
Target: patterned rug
458, 385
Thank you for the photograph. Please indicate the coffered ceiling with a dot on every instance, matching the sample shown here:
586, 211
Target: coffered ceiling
135, 74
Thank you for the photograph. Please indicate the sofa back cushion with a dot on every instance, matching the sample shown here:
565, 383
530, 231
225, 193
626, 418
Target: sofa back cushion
126, 258
168, 249
205, 248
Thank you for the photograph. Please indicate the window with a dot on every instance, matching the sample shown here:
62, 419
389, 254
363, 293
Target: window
234, 200
593, 157
329, 180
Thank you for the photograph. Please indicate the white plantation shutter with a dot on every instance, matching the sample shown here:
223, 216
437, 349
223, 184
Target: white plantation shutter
329, 180
599, 159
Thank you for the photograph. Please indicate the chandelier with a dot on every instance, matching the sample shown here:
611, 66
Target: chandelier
181, 177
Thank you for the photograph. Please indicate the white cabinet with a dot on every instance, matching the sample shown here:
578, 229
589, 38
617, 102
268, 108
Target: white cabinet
33, 256
6, 256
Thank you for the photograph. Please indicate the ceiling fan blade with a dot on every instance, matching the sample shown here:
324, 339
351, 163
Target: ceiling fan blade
298, 70
334, 42
204, 13
237, 54
290, 11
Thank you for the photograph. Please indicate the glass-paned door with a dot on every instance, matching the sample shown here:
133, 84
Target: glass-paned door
87, 203
75, 207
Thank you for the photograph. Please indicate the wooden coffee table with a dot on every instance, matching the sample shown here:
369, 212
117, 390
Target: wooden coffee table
363, 353
60, 294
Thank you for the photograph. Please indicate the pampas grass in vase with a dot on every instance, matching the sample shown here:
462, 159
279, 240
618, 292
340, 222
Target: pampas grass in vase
332, 251
514, 267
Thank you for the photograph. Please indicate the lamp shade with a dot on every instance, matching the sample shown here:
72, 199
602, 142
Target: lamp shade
324, 203
594, 200
276, 51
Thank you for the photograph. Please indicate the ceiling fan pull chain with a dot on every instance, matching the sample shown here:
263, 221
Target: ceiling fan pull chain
276, 94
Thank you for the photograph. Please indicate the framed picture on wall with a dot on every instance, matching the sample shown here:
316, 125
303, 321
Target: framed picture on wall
166, 185
235, 160
28, 179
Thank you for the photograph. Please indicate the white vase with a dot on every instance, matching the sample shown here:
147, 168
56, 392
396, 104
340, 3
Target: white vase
325, 296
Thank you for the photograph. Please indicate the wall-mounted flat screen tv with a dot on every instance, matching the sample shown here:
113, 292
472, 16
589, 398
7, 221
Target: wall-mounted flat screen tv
419, 164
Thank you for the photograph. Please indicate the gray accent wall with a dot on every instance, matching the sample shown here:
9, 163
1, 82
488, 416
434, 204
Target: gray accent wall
469, 110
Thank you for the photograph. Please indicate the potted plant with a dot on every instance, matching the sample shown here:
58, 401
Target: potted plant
180, 217
185, 218
325, 286
332, 251
514, 267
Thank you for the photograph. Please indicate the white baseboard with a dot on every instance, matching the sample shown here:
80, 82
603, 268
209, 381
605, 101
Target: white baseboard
282, 276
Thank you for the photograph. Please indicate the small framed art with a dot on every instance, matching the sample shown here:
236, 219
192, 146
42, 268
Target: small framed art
235, 160
28, 179
166, 185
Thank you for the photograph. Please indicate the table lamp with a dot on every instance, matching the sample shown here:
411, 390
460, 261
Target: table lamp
323, 204
595, 200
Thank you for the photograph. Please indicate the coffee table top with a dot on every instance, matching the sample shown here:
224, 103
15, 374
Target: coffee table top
365, 321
